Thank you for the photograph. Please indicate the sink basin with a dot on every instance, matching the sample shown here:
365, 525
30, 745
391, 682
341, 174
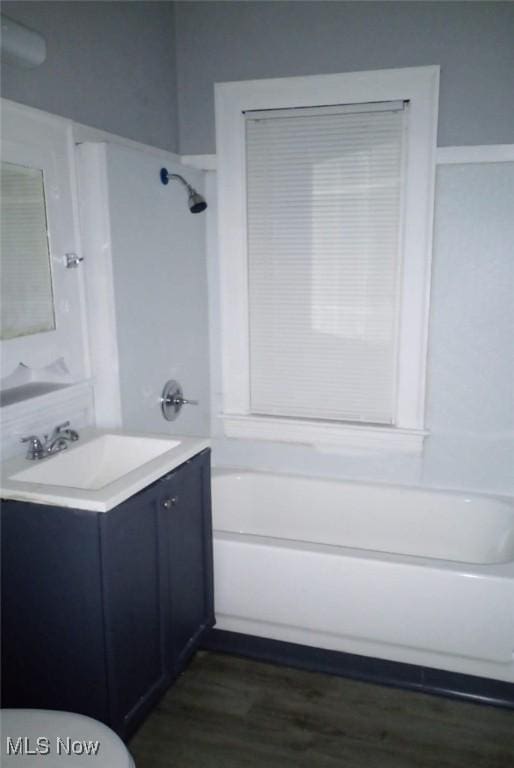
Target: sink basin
100, 471
96, 463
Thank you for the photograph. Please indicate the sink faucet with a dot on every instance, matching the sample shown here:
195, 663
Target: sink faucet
58, 441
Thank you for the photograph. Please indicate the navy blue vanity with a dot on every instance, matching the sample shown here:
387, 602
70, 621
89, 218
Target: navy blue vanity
102, 610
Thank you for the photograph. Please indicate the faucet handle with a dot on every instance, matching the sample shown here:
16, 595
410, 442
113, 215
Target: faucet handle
58, 429
34, 439
65, 431
36, 448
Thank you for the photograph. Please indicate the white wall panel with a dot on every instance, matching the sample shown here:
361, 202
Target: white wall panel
160, 290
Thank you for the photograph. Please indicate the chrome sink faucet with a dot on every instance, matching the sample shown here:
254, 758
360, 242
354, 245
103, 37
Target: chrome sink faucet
47, 446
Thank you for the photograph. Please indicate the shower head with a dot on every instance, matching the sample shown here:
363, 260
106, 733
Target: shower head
195, 200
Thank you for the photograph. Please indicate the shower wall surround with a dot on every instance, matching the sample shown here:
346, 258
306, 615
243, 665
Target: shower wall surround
470, 407
147, 287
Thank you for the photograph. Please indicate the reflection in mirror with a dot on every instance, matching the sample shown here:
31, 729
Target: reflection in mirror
27, 304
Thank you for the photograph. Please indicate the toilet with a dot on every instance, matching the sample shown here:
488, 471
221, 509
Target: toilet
58, 740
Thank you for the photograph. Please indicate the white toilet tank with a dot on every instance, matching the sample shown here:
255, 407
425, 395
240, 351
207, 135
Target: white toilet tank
51, 739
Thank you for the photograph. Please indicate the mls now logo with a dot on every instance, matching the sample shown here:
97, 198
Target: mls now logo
42, 745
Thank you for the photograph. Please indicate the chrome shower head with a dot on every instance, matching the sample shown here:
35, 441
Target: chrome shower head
195, 201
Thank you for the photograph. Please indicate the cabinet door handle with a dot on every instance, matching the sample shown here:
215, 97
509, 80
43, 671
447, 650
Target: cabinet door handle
169, 503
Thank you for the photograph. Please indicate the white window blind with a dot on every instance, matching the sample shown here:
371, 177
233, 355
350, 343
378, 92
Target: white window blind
324, 199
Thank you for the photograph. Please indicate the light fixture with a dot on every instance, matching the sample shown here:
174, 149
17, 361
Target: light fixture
195, 200
20, 45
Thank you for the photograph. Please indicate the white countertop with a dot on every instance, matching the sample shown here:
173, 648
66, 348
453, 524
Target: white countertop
110, 495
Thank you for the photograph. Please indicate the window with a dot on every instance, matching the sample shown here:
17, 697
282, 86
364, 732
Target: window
325, 236
324, 203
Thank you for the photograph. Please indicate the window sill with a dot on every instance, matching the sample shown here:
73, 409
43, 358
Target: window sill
325, 436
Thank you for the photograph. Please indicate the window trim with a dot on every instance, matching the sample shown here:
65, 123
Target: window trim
418, 85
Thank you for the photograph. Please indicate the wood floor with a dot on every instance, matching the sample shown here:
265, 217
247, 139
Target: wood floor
228, 712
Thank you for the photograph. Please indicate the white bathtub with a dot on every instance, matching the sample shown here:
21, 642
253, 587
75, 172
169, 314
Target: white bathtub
423, 577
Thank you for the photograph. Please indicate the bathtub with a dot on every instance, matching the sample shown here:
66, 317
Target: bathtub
408, 575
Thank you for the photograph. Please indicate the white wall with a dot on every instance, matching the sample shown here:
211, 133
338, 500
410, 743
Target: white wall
147, 252
470, 412
471, 381
160, 286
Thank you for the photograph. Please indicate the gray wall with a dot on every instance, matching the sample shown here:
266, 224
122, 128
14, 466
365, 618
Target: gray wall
472, 42
110, 65
120, 65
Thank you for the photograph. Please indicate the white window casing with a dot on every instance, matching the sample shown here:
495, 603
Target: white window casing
251, 408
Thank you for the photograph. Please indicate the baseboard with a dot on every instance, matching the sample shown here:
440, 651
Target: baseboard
393, 673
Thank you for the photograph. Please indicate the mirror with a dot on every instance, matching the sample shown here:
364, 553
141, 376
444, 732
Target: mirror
27, 304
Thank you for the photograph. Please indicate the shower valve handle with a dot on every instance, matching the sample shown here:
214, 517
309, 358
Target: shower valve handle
180, 401
172, 400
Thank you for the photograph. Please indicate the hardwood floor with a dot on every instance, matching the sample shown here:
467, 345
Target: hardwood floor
228, 712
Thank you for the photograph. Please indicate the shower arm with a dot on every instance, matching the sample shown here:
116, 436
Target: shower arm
170, 176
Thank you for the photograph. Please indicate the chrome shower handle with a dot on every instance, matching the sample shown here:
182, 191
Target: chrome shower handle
172, 400
180, 401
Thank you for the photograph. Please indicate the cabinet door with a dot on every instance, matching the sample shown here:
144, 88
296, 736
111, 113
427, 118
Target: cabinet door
186, 521
52, 641
133, 602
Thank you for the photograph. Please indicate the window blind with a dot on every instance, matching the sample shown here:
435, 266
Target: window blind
324, 192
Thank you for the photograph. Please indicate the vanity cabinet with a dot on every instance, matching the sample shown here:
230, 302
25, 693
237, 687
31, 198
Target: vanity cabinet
101, 611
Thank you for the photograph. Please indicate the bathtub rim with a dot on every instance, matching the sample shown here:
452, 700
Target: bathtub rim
500, 569
221, 470
497, 570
